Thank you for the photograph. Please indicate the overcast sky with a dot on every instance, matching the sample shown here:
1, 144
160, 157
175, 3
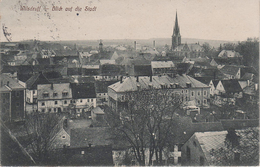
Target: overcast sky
131, 19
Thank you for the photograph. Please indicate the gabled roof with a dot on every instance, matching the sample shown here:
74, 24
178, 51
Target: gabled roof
83, 90
36, 79
215, 82
162, 64
247, 76
142, 70
239, 123
10, 82
231, 86
112, 69
229, 69
58, 88
130, 83
228, 53
104, 61
101, 86
96, 136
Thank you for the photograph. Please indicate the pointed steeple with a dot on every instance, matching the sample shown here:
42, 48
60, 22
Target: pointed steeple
176, 36
176, 30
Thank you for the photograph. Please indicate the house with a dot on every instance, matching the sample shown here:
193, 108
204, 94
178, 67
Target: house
251, 94
12, 99
84, 96
231, 72
228, 54
111, 72
53, 97
101, 90
230, 87
221, 62
162, 67
221, 148
90, 70
31, 86
184, 68
213, 85
46, 53
189, 89
97, 114
142, 70
93, 146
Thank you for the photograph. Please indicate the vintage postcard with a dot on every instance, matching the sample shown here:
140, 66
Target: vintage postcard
129, 83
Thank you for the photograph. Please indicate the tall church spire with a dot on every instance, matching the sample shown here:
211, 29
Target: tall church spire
176, 36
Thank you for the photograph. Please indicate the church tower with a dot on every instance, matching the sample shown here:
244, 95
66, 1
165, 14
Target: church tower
176, 36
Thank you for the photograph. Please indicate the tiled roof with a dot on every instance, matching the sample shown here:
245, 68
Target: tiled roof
54, 88
101, 86
142, 70
228, 69
36, 79
215, 83
98, 110
96, 136
130, 84
227, 61
162, 64
83, 90
112, 69
228, 53
247, 76
211, 140
231, 86
10, 82
192, 47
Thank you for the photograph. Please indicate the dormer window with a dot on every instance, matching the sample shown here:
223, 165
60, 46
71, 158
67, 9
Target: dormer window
45, 94
55, 94
64, 93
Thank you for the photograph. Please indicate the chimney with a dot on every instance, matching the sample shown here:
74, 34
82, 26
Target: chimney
121, 79
248, 82
134, 45
153, 44
137, 78
51, 86
151, 78
256, 86
89, 145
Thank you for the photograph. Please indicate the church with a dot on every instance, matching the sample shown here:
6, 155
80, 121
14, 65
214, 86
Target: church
185, 50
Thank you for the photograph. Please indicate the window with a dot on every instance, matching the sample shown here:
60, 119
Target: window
205, 101
198, 101
186, 98
195, 144
43, 110
63, 137
55, 109
186, 91
17, 104
88, 100
198, 93
91, 100
55, 102
33, 91
43, 104
49, 109
99, 94
81, 100
65, 93
65, 102
45, 94
205, 93
123, 97
182, 91
17, 94
55, 94
192, 93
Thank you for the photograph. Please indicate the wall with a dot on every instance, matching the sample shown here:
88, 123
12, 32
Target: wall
195, 153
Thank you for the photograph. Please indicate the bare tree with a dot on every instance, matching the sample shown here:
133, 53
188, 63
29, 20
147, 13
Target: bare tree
41, 129
146, 121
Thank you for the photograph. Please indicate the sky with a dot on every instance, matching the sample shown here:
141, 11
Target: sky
233, 20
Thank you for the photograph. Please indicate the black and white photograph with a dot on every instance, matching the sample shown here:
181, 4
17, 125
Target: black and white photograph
129, 83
